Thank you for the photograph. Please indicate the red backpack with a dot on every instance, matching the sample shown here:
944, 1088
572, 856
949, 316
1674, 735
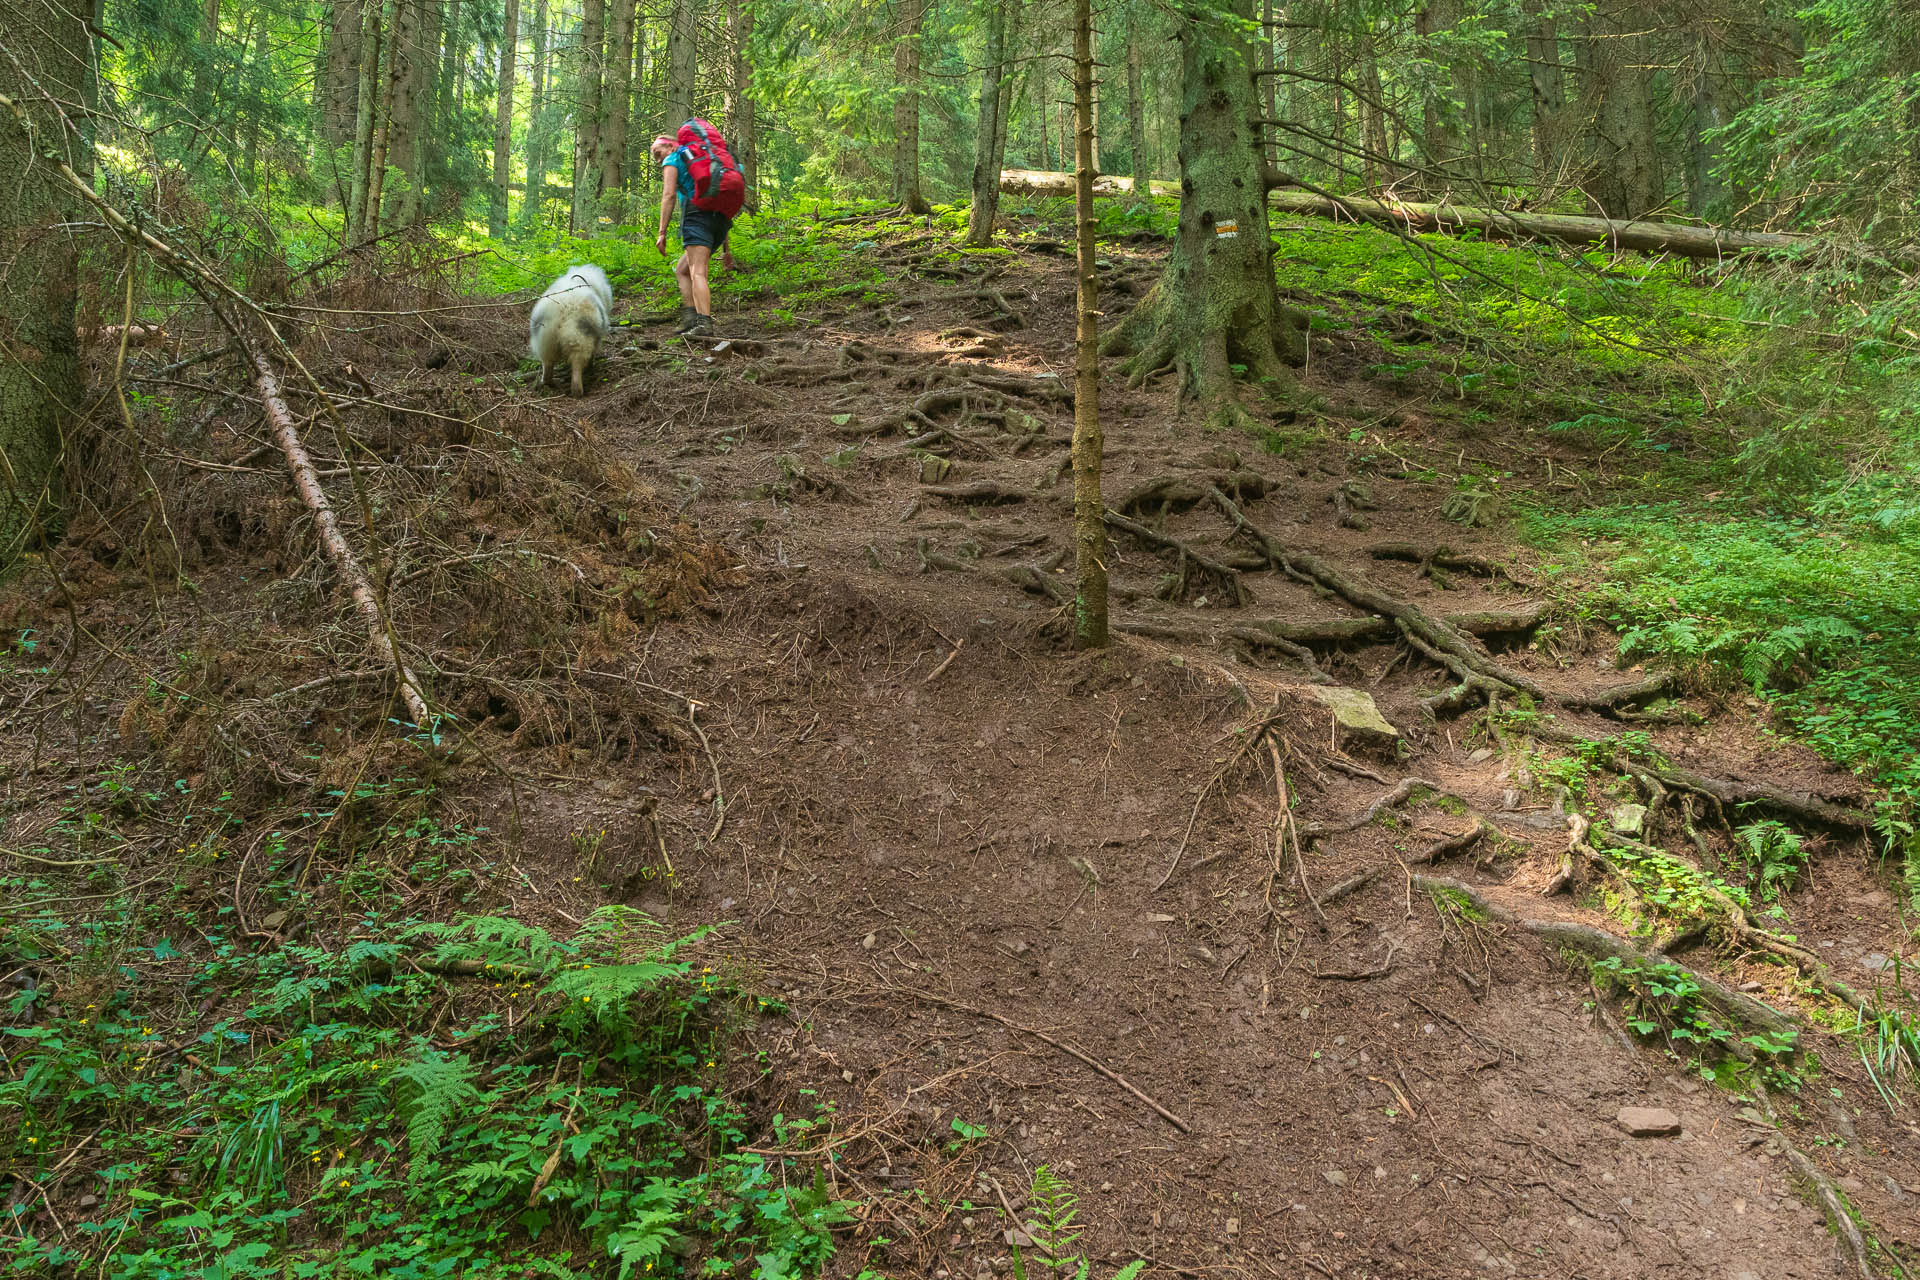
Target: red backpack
718, 184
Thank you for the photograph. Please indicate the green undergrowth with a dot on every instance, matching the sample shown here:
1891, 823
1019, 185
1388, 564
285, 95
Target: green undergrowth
410, 1098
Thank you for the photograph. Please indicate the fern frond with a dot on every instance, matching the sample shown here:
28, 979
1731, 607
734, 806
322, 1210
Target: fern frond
443, 1086
497, 940
1055, 1207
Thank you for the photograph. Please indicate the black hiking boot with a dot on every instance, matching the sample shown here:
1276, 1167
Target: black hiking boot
687, 318
701, 326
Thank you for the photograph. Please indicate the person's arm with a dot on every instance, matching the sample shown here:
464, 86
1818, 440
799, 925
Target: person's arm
669, 190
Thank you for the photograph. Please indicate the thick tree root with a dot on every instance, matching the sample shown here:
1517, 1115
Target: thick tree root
1727, 792
1845, 1229
1736, 1006
1227, 578
1444, 557
977, 491
1182, 489
1480, 676
1432, 853
1400, 794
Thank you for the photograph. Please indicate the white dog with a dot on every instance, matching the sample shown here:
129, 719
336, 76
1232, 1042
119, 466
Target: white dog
569, 322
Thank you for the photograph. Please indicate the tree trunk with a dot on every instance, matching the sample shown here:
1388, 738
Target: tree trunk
412, 206
341, 77
1440, 115
906, 109
1377, 162
1549, 83
1705, 189
1089, 512
588, 74
614, 108
503, 123
1268, 88
262, 67
988, 130
365, 124
682, 65
1137, 108
1216, 304
1624, 178
638, 168
398, 40
741, 128
1037, 74
447, 104
39, 355
533, 204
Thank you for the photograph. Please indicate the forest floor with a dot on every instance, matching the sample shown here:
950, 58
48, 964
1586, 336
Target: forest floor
1136, 915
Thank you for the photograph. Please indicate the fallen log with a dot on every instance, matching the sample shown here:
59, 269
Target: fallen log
1452, 219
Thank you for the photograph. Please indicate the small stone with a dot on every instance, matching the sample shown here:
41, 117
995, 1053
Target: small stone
1155, 917
1232, 1226
1648, 1122
1875, 961
870, 941
1628, 819
1479, 755
1334, 1177
89, 1201
1354, 711
847, 1076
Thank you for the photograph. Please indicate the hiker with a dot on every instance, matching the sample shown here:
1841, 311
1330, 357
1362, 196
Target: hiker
698, 171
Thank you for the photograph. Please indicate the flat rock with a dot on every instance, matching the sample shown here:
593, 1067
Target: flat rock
1628, 819
1334, 1177
1353, 710
1648, 1122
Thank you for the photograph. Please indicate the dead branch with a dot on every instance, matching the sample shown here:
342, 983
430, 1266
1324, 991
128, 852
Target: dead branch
1286, 831
1445, 557
1399, 795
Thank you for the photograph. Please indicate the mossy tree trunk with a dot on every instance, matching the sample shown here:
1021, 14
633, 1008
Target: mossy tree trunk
39, 356
539, 116
683, 65
588, 75
1215, 316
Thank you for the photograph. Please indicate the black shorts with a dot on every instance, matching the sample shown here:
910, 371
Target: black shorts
705, 227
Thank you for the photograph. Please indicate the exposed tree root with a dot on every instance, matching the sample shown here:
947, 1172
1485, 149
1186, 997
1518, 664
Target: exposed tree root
1598, 943
1444, 557
977, 491
1480, 676
1723, 791
1179, 490
1400, 794
1831, 1201
1227, 578
1432, 853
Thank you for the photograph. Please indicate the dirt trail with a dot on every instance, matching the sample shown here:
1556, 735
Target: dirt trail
949, 841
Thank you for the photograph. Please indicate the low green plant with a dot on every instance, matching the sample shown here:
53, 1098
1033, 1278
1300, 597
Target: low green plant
560, 1110
1664, 1001
1055, 1231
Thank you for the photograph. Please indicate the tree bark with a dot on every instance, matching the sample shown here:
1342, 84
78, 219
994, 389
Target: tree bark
588, 74
533, 205
1137, 106
365, 123
1549, 85
1415, 215
682, 65
906, 108
398, 42
1439, 114
741, 126
1623, 179
39, 351
1216, 304
614, 108
341, 77
503, 122
429, 18
447, 104
988, 130
1089, 512
1705, 189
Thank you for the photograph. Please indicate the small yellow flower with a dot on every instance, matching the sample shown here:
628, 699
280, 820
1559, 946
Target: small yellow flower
339, 1155
344, 1183
586, 999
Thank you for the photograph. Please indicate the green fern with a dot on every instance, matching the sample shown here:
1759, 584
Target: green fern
1055, 1207
1777, 854
442, 1086
641, 1241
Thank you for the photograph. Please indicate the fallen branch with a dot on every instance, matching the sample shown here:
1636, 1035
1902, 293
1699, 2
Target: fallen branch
1432, 853
1286, 831
1445, 557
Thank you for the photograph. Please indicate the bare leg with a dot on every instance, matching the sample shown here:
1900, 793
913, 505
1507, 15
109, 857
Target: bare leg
682, 276
696, 258
546, 374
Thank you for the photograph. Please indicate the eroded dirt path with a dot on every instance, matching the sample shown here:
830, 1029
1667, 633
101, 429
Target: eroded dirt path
952, 844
